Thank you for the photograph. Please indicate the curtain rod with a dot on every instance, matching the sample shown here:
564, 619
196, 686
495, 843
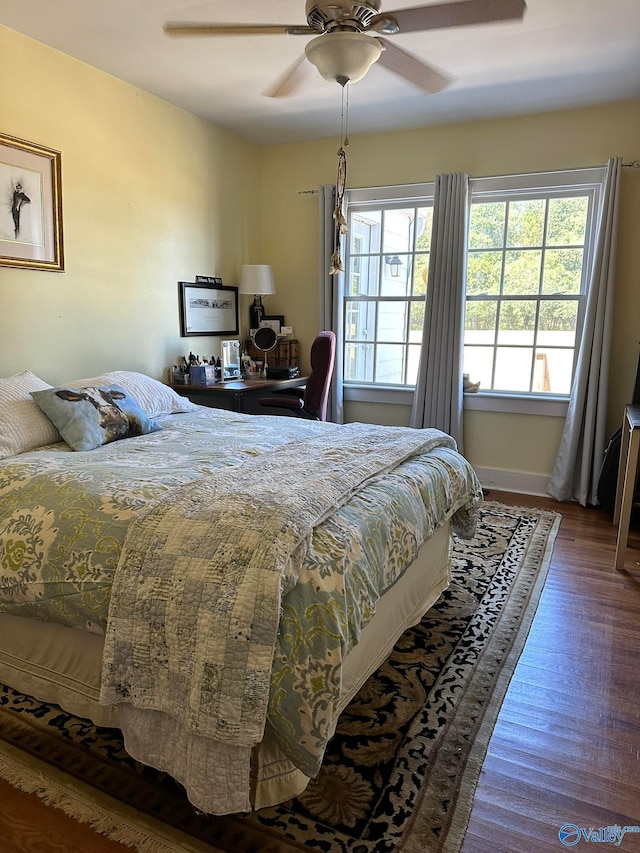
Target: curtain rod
634, 164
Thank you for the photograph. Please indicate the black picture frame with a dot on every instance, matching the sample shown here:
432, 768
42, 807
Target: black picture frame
207, 309
274, 321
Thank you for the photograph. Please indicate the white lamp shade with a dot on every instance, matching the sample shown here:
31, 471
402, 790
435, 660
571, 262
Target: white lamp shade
256, 279
343, 56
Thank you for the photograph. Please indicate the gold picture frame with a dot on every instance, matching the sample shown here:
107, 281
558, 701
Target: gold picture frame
31, 205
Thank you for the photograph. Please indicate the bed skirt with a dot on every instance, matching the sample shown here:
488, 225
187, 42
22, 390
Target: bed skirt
62, 665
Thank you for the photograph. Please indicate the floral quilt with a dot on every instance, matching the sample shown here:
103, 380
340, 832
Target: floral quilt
64, 518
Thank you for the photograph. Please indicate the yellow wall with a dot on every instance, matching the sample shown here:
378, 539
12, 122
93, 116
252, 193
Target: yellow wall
152, 195
559, 140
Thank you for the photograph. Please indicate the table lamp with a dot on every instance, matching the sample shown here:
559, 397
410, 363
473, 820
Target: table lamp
256, 279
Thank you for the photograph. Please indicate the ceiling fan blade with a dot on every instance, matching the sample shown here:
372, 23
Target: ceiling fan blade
458, 14
412, 69
185, 28
292, 79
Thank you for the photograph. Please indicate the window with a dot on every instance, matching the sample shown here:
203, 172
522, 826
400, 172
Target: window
527, 271
386, 265
529, 253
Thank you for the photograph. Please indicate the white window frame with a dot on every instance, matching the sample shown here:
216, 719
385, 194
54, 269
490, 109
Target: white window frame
382, 198
542, 185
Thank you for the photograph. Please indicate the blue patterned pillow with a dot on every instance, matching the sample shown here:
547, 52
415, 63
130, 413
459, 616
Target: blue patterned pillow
89, 417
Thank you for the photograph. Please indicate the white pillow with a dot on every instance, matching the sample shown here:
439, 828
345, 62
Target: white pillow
155, 398
23, 426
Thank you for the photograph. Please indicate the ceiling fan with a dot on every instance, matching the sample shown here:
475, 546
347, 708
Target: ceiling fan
349, 37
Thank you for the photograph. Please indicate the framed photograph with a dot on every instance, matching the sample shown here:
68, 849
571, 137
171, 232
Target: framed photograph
207, 309
31, 206
273, 321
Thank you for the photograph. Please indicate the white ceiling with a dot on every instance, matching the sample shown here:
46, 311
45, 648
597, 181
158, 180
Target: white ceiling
565, 53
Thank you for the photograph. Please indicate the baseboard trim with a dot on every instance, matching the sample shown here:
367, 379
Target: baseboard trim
513, 481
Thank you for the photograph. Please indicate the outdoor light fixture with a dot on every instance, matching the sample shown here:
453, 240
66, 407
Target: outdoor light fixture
394, 263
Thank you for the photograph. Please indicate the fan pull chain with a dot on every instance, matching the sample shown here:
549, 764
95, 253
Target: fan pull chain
344, 118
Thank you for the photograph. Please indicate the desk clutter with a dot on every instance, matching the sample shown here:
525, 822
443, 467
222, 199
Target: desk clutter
284, 354
253, 363
197, 370
283, 372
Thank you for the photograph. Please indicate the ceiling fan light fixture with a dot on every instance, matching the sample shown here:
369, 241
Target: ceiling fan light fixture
343, 56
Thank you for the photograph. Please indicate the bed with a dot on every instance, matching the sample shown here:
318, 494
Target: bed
216, 585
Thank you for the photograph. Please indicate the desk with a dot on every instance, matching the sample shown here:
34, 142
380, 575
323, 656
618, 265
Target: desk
239, 395
627, 474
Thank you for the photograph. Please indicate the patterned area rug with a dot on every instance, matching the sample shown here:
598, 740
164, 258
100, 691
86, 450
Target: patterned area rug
401, 770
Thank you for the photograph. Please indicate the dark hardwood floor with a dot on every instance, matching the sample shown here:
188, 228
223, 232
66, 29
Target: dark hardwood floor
28, 825
566, 747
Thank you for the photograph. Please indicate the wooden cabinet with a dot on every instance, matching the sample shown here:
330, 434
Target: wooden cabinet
285, 353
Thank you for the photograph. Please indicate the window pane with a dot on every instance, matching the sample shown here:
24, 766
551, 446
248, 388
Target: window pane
413, 363
360, 321
484, 270
392, 321
562, 271
362, 279
417, 321
513, 369
480, 322
396, 275
352, 279
567, 221
557, 323
390, 364
420, 274
478, 363
358, 362
423, 228
364, 232
526, 223
398, 230
522, 272
553, 370
517, 322
486, 225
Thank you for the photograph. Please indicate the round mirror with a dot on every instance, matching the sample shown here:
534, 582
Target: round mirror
265, 339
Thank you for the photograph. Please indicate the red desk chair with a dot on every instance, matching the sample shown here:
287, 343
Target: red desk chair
310, 401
